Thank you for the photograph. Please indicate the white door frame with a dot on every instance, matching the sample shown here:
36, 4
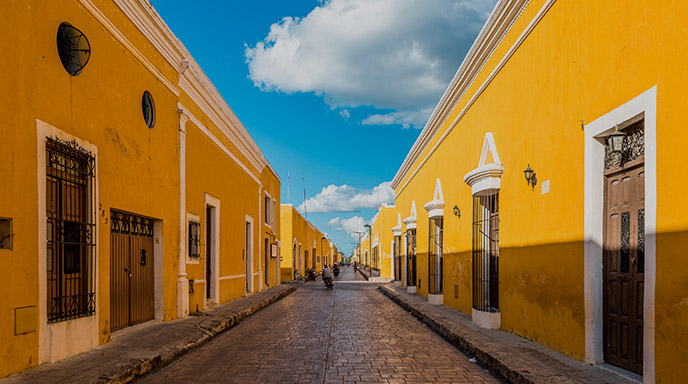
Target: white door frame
248, 254
645, 106
215, 248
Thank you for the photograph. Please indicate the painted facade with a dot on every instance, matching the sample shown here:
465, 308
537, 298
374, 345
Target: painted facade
542, 88
303, 245
103, 198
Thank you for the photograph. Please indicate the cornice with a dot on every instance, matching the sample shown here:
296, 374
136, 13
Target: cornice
191, 79
498, 25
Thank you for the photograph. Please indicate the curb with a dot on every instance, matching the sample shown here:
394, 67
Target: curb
158, 362
486, 360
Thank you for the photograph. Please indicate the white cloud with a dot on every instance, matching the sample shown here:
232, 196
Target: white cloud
345, 113
345, 198
348, 226
389, 54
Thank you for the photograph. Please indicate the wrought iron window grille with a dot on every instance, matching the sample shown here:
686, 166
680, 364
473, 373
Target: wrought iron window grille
486, 252
194, 240
411, 255
435, 259
73, 48
70, 239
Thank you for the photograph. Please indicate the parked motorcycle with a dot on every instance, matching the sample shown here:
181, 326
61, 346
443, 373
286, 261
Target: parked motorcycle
310, 274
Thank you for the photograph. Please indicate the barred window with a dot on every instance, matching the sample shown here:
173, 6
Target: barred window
194, 240
70, 174
486, 252
411, 255
397, 258
435, 255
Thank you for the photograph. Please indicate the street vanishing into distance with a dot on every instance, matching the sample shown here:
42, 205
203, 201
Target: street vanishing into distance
350, 334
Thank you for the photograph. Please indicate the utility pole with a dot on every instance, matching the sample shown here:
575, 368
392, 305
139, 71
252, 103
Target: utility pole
359, 244
370, 248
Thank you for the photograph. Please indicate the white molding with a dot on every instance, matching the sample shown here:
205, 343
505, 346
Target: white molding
412, 159
248, 254
436, 299
435, 207
396, 230
487, 320
410, 221
60, 340
215, 238
182, 281
486, 177
223, 278
644, 104
190, 218
89, 6
269, 196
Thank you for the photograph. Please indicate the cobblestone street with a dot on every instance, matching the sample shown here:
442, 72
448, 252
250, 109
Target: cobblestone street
351, 334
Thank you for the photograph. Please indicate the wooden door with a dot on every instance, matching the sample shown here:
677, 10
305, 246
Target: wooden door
624, 266
132, 298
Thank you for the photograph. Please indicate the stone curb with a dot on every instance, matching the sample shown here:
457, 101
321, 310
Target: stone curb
362, 274
465, 346
228, 321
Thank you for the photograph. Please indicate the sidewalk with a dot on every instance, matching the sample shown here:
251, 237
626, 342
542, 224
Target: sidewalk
138, 350
510, 357
375, 277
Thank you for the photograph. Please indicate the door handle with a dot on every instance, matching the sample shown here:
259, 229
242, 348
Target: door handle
127, 270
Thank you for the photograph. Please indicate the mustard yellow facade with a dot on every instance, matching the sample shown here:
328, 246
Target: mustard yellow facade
543, 87
303, 245
381, 241
84, 164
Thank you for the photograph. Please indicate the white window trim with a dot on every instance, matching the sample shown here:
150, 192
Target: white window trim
191, 218
267, 216
80, 334
248, 255
644, 104
274, 215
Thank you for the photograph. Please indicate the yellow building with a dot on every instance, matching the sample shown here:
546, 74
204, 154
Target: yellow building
130, 190
583, 253
381, 242
303, 245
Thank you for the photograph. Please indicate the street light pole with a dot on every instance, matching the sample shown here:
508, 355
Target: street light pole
322, 249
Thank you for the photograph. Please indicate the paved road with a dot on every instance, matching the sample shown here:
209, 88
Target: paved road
350, 334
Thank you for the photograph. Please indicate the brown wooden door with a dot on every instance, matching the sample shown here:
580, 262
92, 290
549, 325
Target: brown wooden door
132, 299
624, 266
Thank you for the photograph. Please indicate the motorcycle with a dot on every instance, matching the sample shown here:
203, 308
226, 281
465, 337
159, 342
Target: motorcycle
335, 271
310, 274
328, 282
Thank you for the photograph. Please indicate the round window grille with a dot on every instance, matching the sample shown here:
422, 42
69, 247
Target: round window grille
73, 48
148, 109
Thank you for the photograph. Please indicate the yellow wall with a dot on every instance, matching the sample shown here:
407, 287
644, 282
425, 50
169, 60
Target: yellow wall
138, 167
296, 230
386, 219
578, 64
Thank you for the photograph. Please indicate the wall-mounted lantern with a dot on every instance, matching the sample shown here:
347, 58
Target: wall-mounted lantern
530, 176
457, 211
615, 141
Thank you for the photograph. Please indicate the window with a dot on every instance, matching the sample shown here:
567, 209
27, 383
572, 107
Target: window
5, 233
148, 107
195, 240
73, 48
274, 213
411, 255
397, 258
435, 255
266, 207
69, 231
486, 252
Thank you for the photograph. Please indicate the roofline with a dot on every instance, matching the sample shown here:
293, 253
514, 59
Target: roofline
498, 24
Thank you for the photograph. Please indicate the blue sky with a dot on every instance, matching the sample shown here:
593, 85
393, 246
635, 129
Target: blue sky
319, 85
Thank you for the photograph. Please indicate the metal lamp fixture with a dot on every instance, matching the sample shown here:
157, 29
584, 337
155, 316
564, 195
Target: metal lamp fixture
615, 141
530, 176
457, 211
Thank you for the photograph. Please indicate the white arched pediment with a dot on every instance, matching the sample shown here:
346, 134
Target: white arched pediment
487, 176
411, 220
397, 229
435, 207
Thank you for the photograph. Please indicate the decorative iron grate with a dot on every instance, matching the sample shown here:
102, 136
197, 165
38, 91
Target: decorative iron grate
70, 230
435, 255
411, 255
486, 252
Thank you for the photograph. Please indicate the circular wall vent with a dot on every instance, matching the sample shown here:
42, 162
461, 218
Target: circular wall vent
73, 48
